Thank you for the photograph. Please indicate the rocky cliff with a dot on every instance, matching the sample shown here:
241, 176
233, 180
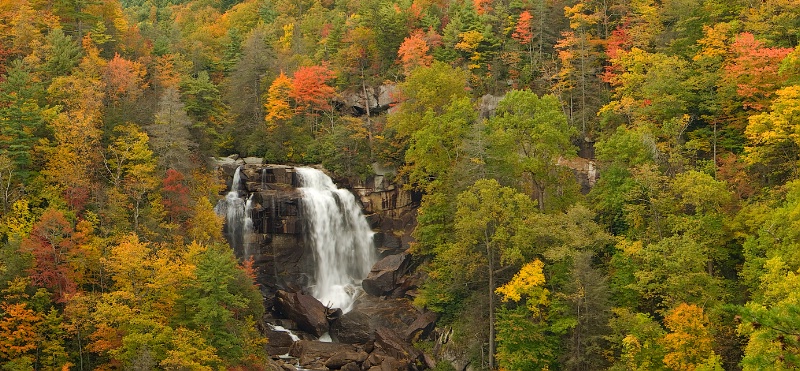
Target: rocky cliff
383, 322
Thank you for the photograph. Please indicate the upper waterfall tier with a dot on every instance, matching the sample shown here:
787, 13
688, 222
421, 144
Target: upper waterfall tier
340, 237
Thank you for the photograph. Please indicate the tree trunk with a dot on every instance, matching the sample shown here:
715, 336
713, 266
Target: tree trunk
366, 106
491, 300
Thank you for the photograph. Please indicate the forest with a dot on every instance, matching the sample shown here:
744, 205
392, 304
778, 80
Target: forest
681, 256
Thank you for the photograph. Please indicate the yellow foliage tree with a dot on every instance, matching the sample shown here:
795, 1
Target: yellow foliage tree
277, 105
689, 343
528, 282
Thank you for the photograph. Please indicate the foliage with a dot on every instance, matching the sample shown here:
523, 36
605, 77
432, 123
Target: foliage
527, 137
686, 110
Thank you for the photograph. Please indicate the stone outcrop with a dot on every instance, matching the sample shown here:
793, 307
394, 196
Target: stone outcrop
279, 342
378, 99
314, 354
395, 346
309, 314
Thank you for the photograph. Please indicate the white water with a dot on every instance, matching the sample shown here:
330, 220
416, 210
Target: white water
238, 221
292, 335
340, 237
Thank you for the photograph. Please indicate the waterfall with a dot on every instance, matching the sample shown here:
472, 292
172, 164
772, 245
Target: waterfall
238, 221
339, 236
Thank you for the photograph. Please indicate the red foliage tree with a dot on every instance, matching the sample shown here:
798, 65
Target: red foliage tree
51, 245
619, 42
176, 196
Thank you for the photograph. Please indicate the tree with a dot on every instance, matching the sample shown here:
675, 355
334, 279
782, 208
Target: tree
124, 80
22, 118
487, 219
436, 147
225, 306
62, 54
169, 134
52, 247
131, 167
71, 165
203, 103
413, 52
522, 342
344, 148
528, 136
637, 339
769, 320
205, 226
278, 106
17, 324
774, 137
426, 89
578, 54
176, 196
755, 70
689, 343
310, 90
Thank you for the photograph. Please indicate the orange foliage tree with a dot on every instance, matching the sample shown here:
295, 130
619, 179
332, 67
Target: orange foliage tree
413, 52
310, 89
689, 343
124, 79
753, 71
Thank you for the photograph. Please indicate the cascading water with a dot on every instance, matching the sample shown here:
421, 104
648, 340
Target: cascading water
238, 221
340, 237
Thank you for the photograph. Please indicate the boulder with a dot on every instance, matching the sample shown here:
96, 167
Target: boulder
382, 279
394, 346
379, 360
338, 360
421, 327
309, 314
253, 160
352, 366
317, 352
353, 328
378, 98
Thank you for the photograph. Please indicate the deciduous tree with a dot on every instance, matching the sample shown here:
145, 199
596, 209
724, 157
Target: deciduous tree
528, 136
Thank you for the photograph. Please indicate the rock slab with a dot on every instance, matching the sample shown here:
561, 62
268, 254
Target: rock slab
309, 314
383, 277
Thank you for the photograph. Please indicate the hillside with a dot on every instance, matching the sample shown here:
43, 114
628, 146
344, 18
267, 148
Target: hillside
680, 256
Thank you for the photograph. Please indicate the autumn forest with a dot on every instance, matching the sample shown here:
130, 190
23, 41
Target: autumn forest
677, 251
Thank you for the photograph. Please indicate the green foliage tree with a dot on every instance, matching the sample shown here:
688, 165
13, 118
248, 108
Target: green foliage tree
528, 136
426, 89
